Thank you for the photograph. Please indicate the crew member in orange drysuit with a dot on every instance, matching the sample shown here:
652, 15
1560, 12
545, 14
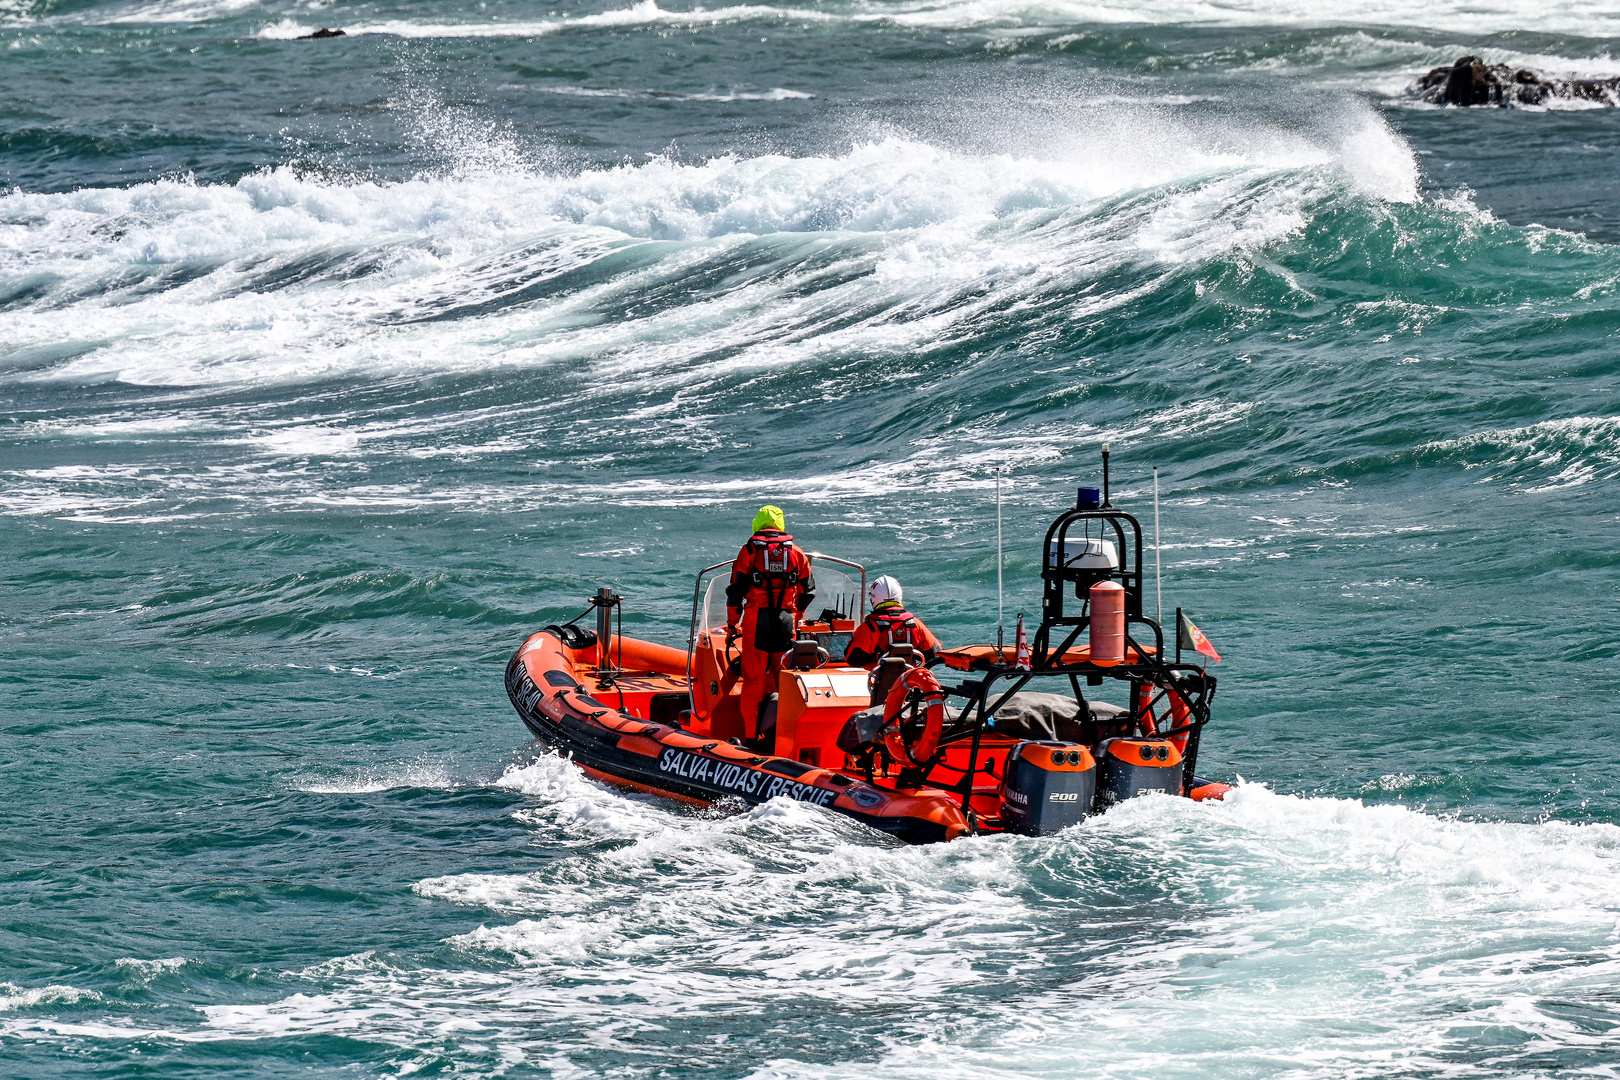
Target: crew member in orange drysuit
771, 587
889, 625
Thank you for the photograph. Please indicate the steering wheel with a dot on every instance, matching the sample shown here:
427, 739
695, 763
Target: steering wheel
732, 637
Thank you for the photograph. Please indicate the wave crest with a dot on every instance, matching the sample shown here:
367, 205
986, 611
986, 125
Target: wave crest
174, 282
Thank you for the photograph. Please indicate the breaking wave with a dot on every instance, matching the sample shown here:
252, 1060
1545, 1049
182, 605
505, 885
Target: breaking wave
1457, 16
148, 284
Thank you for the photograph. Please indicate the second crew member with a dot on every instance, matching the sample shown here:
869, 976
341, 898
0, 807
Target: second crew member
889, 625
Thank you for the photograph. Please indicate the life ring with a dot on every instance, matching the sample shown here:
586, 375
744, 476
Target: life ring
1180, 715
919, 681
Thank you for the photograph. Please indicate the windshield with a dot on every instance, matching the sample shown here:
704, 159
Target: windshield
713, 611
837, 595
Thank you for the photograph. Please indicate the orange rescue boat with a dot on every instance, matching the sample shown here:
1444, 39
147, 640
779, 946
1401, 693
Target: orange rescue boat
926, 753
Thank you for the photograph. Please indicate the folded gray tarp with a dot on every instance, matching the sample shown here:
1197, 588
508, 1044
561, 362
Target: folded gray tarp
1027, 715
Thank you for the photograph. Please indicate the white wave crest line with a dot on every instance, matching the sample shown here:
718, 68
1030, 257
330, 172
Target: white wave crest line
14, 996
1576, 451
775, 93
370, 781
1456, 16
923, 469
646, 13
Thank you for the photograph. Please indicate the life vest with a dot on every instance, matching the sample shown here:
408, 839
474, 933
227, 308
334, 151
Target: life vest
775, 567
895, 626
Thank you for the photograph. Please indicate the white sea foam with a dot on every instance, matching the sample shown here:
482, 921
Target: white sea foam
775, 93
1548, 456
144, 971
897, 247
1294, 936
315, 440
1454, 16
286, 30
167, 11
959, 458
645, 13
1457, 16
571, 801
1324, 933
119, 430
13, 996
1599, 20
924, 222
416, 774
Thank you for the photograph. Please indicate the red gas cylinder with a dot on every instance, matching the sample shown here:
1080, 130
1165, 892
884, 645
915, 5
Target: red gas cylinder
1107, 623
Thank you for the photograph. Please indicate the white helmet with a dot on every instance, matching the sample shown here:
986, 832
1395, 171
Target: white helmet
884, 590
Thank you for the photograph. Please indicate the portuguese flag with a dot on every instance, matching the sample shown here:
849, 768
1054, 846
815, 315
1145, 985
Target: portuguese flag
1189, 636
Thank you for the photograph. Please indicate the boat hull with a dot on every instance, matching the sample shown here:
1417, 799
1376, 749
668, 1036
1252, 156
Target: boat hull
615, 745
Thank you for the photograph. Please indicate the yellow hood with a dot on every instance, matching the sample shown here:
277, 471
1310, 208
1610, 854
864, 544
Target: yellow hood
770, 517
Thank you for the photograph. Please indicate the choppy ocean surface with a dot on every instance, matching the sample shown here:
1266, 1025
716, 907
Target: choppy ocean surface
331, 369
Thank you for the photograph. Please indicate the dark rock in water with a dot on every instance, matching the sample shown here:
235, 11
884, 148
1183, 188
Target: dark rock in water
1470, 81
323, 32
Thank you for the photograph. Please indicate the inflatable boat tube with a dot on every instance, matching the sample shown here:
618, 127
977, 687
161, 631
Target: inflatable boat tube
542, 681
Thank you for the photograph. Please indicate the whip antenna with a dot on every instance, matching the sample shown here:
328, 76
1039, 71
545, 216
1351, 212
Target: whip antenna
1158, 578
1000, 604
1106, 504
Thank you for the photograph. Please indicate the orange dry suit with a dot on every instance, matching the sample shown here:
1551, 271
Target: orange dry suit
771, 586
882, 630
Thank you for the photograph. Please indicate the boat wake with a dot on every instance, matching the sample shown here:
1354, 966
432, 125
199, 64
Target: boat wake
1402, 941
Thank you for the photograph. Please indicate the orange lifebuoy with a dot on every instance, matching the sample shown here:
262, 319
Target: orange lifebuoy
921, 681
1179, 715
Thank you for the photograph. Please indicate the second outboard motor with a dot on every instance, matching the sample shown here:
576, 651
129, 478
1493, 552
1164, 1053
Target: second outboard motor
1046, 786
1128, 767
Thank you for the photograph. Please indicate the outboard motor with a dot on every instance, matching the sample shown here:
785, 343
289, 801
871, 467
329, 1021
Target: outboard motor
1128, 767
1046, 786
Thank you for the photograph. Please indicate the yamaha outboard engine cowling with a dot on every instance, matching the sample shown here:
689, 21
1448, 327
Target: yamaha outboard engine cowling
1128, 767
1046, 786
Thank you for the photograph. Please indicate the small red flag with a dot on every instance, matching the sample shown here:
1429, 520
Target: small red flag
1190, 637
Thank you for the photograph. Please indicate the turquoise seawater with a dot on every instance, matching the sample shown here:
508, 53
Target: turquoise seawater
332, 369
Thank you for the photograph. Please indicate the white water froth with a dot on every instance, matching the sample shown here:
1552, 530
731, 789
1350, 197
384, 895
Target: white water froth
144, 971
13, 996
418, 774
1596, 20
1549, 456
1601, 20
645, 13
775, 93
1458, 16
571, 802
1268, 935
1324, 933
959, 459
914, 225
